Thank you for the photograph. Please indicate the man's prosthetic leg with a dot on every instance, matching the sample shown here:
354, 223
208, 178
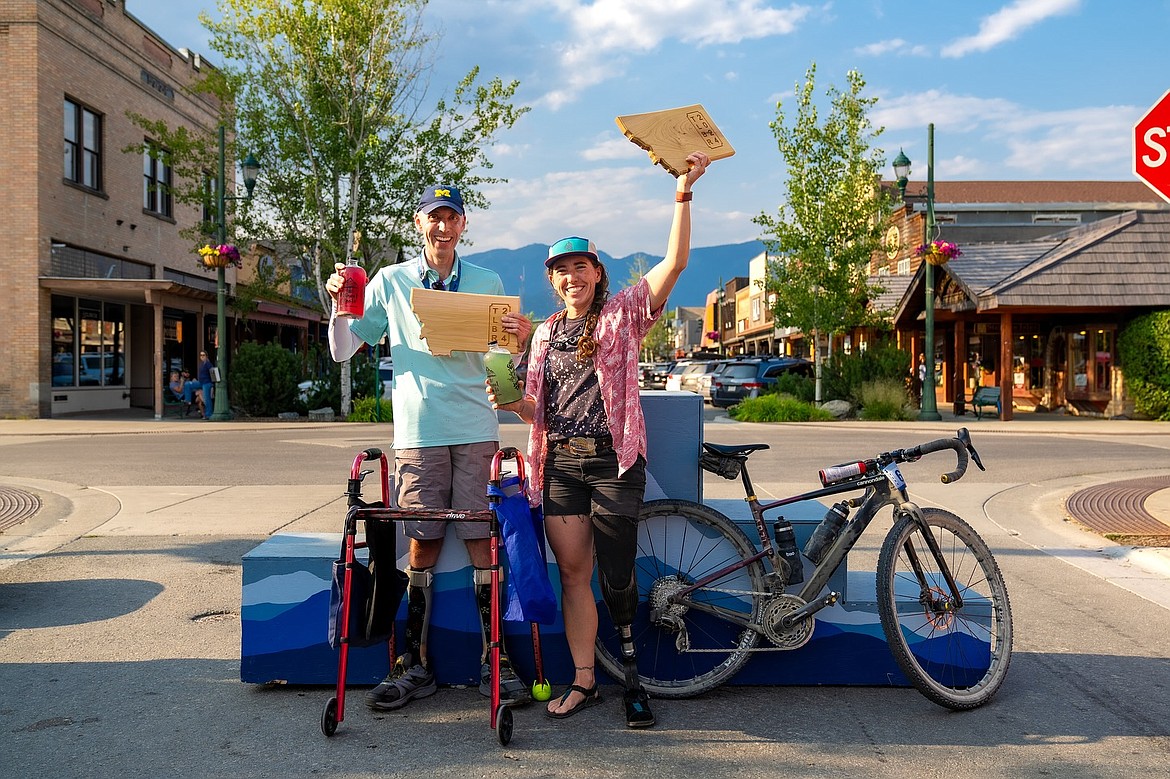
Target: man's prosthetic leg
419, 592
615, 540
410, 678
512, 689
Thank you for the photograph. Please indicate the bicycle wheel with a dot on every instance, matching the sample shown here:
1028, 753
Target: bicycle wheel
956, 657
690, 647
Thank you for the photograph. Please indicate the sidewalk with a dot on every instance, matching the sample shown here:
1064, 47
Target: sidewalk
121, 652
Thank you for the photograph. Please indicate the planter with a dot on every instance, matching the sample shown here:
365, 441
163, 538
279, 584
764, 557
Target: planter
215, 261
935, 258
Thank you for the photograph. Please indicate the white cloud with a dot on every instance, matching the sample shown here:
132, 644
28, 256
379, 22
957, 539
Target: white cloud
947, 111
597, 204
1083, 142
1090, 141
1008, 23
960, 167
893, 46
613, 148
607, 34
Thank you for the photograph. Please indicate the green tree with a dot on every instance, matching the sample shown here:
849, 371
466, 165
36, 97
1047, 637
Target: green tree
333, 95
657, 344
830, 223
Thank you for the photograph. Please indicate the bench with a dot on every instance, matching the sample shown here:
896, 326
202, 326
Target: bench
173, 404
985, 396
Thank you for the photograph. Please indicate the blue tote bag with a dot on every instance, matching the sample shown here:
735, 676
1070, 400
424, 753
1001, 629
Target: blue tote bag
529, 592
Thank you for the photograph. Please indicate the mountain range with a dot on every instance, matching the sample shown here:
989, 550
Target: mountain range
524, 274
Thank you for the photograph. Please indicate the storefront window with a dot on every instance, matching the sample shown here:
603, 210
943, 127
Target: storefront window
1028, 362
1103, 361
64, 353
1091, 351
89, 343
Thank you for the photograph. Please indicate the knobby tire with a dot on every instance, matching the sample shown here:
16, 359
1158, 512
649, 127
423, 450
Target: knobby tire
957, 658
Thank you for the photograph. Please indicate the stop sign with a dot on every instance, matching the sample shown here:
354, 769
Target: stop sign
1151, 147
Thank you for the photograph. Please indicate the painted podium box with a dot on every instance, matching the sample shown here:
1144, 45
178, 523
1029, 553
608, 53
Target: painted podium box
286, 582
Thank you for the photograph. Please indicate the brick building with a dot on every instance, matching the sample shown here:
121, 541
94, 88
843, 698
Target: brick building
103, 292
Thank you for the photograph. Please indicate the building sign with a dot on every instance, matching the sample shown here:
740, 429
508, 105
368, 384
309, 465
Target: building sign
158, 85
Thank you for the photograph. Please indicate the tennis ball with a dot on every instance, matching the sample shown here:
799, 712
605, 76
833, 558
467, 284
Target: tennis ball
541, 692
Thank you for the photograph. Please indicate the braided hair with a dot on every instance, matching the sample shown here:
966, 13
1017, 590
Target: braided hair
586, 345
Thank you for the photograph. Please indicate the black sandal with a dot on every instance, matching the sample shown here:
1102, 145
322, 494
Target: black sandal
638, 714
591, 698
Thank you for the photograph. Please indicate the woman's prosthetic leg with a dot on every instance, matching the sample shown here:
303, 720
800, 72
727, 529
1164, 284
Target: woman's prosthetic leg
615, 539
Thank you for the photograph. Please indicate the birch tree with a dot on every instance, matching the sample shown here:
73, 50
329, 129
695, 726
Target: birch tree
334, 97
831, 220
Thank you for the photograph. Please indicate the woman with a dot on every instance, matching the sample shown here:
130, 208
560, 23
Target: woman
587, 448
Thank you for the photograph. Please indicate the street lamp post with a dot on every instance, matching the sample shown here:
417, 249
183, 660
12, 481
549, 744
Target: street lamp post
221, 410
719, 316
929, 412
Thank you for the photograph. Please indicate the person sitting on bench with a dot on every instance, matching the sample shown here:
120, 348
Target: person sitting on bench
187, 390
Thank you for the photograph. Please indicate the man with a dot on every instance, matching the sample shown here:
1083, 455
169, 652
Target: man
445, 430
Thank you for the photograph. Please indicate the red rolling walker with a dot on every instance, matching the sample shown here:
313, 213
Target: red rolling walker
361, 511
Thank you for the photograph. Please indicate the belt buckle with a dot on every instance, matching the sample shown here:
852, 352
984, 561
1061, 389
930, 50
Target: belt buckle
582, 447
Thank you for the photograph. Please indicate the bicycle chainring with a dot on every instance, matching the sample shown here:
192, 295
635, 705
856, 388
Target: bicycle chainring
775, 608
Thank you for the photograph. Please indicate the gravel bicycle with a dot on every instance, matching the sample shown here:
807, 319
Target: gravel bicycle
709, 597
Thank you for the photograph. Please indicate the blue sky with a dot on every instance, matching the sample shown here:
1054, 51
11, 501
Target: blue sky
1016, 89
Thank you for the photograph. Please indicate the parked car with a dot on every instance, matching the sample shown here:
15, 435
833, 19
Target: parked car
688, 380
385, 375
747, 378
674, 375
705, 379
92, 366
653, 374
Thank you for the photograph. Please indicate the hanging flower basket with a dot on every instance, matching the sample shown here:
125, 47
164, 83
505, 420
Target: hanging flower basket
219, 256
938, 252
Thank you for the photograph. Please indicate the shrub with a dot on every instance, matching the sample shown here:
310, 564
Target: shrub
325, 392
263, 380
1143, 351
843, 374
803, 388
366, 410
883, 400
773, 407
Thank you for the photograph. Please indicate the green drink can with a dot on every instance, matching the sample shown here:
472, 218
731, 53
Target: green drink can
501, 374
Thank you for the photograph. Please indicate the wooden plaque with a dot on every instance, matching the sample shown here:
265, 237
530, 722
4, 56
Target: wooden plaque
463, 321
670, 135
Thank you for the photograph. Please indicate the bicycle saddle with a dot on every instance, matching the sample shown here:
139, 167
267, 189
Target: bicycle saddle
734, 451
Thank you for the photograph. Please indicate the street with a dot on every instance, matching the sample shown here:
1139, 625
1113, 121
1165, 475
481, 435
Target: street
120, 634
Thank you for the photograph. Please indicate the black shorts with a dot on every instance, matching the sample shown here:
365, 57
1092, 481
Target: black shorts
590, 485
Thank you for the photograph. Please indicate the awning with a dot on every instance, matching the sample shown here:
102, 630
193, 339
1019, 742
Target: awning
144, 291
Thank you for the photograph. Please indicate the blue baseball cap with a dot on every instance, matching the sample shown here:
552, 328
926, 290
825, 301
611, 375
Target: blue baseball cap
568, 247
438, 196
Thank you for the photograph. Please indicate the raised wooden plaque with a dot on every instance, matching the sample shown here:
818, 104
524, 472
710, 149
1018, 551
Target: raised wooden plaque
670, 135
463, 321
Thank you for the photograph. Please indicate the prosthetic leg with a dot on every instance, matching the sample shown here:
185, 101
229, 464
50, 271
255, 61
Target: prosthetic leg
615, 540
410, 678
512, 689
419, 593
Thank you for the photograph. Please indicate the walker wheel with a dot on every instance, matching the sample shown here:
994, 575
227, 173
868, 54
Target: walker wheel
329, 717
504, 724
